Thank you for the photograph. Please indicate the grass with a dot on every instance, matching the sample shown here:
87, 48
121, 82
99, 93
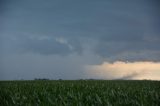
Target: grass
80, 93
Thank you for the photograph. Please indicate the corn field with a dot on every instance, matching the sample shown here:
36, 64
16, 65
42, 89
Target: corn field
80, 93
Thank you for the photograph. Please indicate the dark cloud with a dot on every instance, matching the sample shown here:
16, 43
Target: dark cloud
44, 45
110, 30
132, 51
116, 27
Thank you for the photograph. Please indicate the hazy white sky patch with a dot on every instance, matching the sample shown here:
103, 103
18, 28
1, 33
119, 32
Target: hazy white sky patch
125, 70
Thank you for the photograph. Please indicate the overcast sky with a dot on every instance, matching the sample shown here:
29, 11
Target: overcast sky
78, 39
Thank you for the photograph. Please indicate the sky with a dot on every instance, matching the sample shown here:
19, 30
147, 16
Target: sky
79, 39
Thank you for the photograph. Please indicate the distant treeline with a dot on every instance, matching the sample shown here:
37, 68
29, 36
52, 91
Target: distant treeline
41, 79
63, 79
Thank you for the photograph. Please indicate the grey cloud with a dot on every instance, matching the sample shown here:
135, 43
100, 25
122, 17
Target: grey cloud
45, 46
130, 51
39, 44
92, 32
31, 65
116, 27
142, 55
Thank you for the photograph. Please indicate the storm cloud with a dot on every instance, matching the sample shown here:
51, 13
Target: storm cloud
89, 32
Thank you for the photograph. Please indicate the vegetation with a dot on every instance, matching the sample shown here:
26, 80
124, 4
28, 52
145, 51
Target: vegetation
80, 93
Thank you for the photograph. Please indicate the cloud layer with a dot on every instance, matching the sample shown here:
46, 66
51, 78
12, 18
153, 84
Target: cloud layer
114, 30
89, 32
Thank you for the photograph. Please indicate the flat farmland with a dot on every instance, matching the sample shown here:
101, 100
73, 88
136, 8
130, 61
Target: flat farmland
80, 93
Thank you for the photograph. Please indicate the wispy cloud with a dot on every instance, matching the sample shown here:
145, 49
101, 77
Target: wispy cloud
64, 41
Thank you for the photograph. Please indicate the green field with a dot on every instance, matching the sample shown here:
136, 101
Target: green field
80, 93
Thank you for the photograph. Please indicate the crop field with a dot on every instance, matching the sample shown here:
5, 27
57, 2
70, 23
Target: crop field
80, 93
